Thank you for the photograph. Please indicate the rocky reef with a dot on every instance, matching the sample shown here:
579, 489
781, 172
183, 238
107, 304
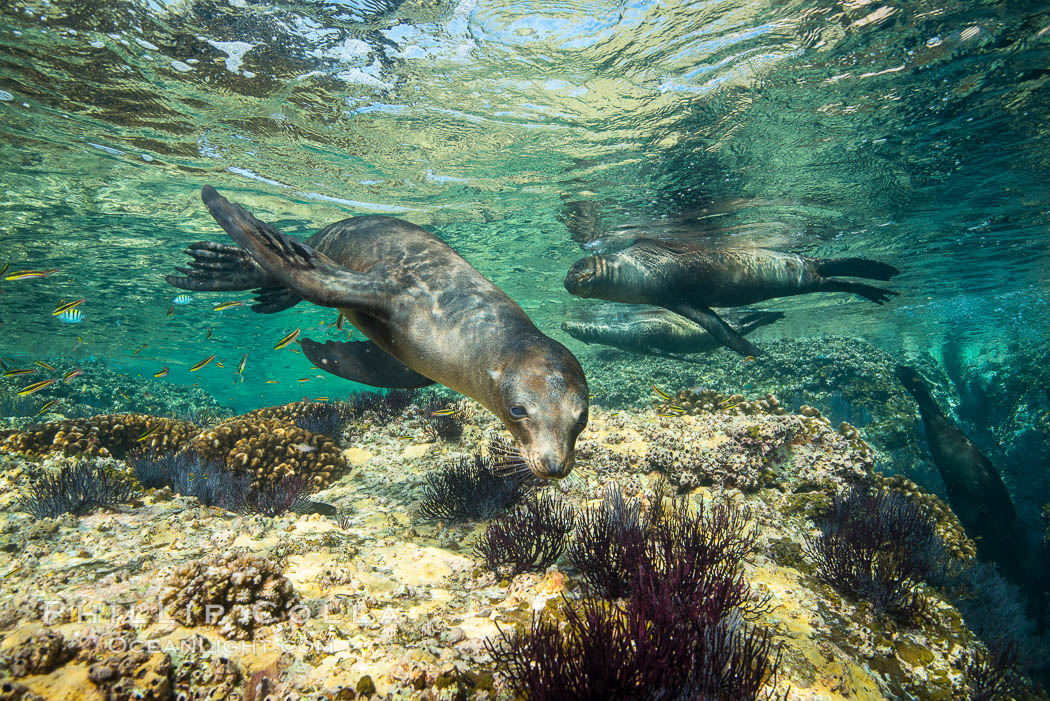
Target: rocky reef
378, 601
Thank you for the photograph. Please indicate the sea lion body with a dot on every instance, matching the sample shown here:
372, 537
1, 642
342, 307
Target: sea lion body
430, 317
976, 493
690, 279
657, 331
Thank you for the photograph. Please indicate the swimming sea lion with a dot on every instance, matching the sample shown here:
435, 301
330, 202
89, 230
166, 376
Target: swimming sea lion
689, 279
430, 317
656, 331
976, 493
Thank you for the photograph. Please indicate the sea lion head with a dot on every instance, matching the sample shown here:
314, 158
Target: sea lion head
594, 276
542, 399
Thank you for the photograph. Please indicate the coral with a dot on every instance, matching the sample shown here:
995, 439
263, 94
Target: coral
473, 488
946, 523
13, 691
680, 633
877, 545
270, 451
38, 654
107, 435
235, 592
993, 675
444, 419
132, 675
531, 537
325, 418
608, 544
385, 406
703, 400
76, 489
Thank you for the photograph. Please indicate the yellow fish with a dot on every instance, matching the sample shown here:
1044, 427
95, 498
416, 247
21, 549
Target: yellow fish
71, 374
663, 395
44, 365
67, 306
240, 366
304, 379
339, 321
443, 412
219, 365
148, 432
36, 386
20, 567
162, 373
47, 406
271, 382
27, 274
206, 337
17, 373
320, 399
669, 416
287, 340
171, 310
4, 269
228, 305
202, 363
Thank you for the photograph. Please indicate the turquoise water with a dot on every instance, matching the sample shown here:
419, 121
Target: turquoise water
911, 132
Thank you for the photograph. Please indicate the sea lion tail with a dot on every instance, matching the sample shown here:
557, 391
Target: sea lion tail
856, 267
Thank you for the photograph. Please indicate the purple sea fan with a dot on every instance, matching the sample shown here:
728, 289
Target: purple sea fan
608, 544
76, 489
473, 489
531, 537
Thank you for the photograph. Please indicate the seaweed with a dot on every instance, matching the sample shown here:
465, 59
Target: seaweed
532, 537
681, 633
472, 489
76, 489
877, 545
608, 544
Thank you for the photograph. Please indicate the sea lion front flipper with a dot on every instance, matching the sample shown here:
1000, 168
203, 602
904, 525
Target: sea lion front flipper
364, 362
308, 273
717, 327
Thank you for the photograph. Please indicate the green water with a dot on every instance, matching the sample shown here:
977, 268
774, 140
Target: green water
910, 132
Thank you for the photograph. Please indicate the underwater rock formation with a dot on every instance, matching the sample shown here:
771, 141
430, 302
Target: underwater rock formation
236, 592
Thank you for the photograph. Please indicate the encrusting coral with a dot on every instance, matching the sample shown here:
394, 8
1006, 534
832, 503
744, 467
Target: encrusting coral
703, 400
107, 435
270, 451
233, 591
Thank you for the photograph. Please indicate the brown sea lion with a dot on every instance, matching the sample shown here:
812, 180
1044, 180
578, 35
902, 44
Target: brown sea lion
977, 495
689, 279
430, 317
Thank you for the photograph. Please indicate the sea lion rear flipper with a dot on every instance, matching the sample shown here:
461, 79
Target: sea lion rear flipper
220, 267
269, 300
310, 274
718, 328
757, 320
856, 267
878, 295
364, 362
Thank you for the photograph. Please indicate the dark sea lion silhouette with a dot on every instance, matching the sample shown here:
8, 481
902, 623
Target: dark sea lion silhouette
430, 317
656, 331
977, 495
690, 279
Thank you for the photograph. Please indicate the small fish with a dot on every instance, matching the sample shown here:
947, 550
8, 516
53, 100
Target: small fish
171, 310
749, 359
4, 269
44, 365
75, 372
67, 306
404, 437
614, 414
339, 321
47, 406
162, 373
202, 363
320, 399
227, 305
36, 386
674, 408
271, 382
124, 395
148, 432
304, 379
287, 340
19, 372
443, 412
182, 299
28, 274
663, 395
17, 569
79, 343
207, 335
240, 365
139, 350
669, 416
219, 365
190, 477
73, 316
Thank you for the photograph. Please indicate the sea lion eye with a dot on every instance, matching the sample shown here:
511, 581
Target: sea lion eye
518, 412
582, 421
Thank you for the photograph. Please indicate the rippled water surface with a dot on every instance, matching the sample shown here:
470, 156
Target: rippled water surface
911, 132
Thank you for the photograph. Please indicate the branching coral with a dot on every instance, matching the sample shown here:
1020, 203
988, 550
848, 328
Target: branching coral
106, 435
679, 634
531, 537
877, 545
76, 489
473, 488
235, 592
325, 418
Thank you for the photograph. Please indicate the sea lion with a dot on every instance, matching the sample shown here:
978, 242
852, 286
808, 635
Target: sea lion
656, 331
689, 279
430, 317
976, 494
